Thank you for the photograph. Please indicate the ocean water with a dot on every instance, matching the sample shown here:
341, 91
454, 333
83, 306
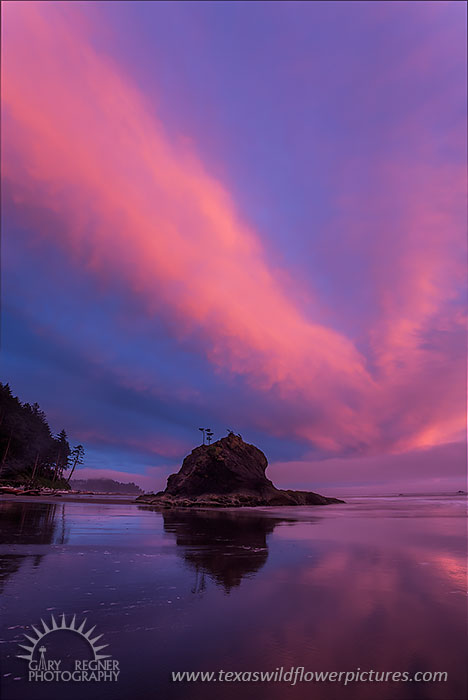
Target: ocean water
374, 584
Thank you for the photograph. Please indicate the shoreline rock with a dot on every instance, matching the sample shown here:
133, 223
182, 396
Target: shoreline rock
230, 473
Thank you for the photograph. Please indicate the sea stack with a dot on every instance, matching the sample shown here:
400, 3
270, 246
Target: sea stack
227, 473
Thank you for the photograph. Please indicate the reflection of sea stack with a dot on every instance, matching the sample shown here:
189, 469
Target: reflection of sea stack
223, 545
227, 473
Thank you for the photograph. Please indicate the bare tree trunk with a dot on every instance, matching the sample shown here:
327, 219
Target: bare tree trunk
73, 469
56, 466
34, 470
7, 447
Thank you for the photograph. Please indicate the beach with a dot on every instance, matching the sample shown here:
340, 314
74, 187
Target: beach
376, 583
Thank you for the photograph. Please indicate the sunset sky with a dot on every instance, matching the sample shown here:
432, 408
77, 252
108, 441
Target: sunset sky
240, 215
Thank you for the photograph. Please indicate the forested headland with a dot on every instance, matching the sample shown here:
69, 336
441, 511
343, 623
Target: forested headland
105, 486
29, 452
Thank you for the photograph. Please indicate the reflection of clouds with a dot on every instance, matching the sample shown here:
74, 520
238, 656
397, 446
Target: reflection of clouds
453, 568
359, 607
368, 592
329, 593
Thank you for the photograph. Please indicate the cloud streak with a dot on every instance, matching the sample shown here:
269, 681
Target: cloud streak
138, 206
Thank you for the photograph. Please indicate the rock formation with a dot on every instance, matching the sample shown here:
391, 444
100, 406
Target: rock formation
227, 473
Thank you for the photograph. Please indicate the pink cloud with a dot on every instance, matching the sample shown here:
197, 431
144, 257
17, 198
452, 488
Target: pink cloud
435, 469
79, 140
160, 445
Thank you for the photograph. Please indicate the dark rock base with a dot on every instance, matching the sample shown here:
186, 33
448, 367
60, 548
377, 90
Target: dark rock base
276, 497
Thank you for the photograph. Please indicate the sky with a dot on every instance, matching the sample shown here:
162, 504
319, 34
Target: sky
246, 216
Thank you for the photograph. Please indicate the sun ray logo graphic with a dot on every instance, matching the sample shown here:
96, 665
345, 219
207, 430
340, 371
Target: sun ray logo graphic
71, 627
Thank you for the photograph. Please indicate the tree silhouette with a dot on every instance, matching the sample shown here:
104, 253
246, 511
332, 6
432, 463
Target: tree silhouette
76, 457
27, 449
209, 435
203, 431
62, 455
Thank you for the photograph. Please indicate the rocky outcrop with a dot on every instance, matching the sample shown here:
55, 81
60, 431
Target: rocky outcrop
228, 473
